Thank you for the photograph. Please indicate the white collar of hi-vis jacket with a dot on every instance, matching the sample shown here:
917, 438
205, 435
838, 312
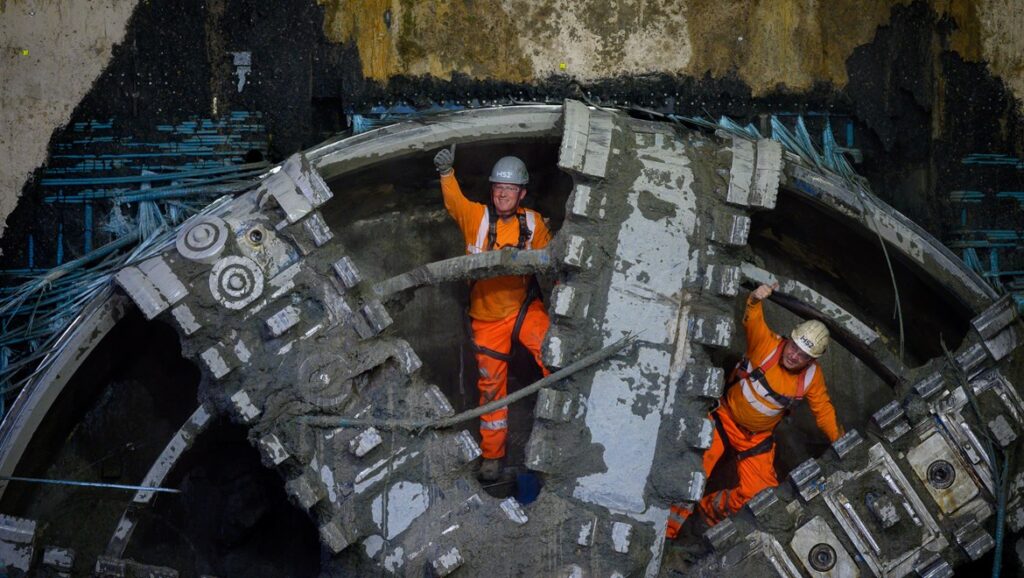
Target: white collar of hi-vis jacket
485, 226
759, 398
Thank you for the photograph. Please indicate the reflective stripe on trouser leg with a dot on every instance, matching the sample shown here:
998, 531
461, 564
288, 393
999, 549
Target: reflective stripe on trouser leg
677, 516
755, 473
493, 383
679, 513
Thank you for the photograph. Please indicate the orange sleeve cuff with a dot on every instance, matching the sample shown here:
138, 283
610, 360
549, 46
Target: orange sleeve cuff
823, 410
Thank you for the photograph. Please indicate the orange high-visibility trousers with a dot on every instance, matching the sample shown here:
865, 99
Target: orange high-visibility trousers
756, 473
493, 381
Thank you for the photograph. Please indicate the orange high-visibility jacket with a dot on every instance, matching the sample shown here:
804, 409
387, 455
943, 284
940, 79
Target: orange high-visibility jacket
748, 402
498, 297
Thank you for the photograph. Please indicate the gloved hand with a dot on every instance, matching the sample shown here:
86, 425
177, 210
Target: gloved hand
444, 160
763, 292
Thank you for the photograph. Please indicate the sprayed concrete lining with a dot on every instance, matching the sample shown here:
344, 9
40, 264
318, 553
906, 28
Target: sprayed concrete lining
51, 54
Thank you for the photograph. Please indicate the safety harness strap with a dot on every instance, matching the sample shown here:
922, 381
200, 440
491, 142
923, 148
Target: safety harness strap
527, 223
532, 293
757, 376
525, 229
762, 448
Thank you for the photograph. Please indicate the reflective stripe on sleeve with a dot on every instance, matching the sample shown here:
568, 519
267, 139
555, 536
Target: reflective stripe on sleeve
481, 234
808, 376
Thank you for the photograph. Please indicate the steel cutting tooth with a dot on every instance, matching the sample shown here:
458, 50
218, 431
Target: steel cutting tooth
722, 279
376, 317
696, 432
142, 291
17, 542
217, 361
713, 330
365, 441
273, 450
703, 381
186, 319
730, 228
766, 174
335, 536
542, 452
246, 411
569, 302
108, 567
447, 562
556, 352
558, 406
575, 253
741, 175
585, 204
59, 560
307, 180
305, 491
347, 272
280, 322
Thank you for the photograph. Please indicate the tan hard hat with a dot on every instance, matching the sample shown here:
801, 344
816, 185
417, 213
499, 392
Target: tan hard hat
811, 337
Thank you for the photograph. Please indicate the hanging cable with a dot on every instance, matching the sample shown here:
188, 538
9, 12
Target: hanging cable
870, 222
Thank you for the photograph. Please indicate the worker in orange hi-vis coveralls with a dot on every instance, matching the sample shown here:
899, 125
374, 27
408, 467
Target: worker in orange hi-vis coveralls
502, 309
756, 399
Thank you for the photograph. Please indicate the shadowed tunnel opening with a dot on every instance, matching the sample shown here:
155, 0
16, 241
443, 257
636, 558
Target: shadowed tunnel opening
846, 264
843, 262
109, 424
394, 213
232, 518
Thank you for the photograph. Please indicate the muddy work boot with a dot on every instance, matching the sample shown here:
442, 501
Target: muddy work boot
490, 470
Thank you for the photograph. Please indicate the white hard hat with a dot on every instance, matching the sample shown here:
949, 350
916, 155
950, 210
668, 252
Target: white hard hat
510, 170
811, 337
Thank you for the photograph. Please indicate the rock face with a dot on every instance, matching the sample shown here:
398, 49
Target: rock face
298, 344
766, 44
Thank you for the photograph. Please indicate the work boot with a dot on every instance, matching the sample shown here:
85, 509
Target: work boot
490, 470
